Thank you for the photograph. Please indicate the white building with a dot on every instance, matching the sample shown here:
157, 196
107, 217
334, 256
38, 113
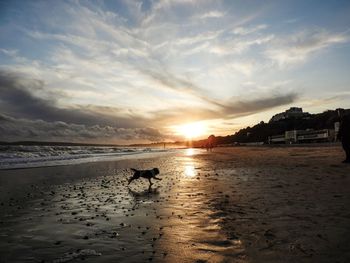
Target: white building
293, 112
303, 136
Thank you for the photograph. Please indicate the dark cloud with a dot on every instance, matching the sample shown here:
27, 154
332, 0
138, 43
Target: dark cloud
17, 100
12, 129
28, 117
242, 108
232, 109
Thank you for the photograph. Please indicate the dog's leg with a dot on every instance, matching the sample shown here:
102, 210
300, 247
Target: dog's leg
157, 178
130, 180
149, 180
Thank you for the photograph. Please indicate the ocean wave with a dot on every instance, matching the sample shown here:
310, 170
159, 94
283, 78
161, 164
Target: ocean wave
24, 156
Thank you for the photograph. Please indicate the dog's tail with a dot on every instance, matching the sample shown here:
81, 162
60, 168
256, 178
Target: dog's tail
133, 169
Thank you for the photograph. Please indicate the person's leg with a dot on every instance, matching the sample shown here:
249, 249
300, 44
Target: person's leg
346, 147
347, 152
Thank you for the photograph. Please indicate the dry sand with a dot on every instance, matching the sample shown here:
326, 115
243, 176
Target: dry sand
257, 204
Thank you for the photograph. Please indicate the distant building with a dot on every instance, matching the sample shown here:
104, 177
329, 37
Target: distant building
303, 136
293, 112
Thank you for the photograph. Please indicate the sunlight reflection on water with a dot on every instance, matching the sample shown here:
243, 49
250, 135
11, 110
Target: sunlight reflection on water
196, 233
189, 152
190, 171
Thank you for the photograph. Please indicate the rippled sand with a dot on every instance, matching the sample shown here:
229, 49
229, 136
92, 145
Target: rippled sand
254, 204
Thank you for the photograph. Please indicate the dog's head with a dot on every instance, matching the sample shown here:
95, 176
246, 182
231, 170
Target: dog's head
155, 171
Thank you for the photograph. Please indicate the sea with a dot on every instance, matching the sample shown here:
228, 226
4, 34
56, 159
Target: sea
25, 156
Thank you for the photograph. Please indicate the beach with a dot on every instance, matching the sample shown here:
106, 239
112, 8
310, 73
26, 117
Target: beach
234, 204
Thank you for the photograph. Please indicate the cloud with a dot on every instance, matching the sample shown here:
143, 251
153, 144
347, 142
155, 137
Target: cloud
41, 118
232, 108
211, 14
198, 38
14, 129
9, 52
179, 84
147, 64
248, 30
245, 67
331, 99
239, 45
17, 100
94, 49
246, 107
300, 46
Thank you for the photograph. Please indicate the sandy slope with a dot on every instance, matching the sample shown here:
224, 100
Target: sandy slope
255, 204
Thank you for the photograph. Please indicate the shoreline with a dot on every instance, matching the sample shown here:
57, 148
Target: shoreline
323, 144
82, 160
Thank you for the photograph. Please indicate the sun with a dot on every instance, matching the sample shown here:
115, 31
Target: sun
191, 130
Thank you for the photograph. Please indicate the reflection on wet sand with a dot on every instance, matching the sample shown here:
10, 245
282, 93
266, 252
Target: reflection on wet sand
190, 152
144, 196
194, 233
189, 170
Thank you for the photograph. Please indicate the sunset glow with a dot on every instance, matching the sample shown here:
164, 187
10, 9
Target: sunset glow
191, 130
174, 130
126, 72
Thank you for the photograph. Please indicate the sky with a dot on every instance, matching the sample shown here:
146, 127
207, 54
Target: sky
142, 71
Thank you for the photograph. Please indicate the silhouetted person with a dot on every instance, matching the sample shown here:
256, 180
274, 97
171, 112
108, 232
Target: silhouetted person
208, 146
210, 143
344, 134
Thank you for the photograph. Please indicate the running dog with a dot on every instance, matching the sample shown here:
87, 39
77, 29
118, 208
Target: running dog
148, 174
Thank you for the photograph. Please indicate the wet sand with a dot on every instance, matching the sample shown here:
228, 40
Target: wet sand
244, 204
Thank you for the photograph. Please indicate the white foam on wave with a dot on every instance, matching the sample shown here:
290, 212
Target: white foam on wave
20, 156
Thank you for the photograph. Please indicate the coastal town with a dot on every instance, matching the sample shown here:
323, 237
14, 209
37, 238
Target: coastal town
302, 136
293, 126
